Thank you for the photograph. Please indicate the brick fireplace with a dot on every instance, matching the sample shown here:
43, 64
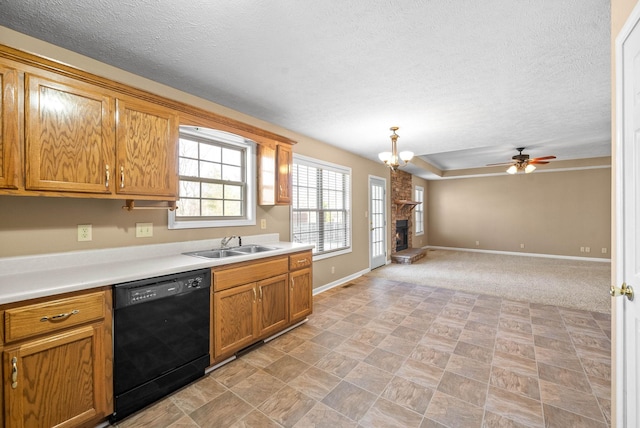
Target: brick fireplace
401, 191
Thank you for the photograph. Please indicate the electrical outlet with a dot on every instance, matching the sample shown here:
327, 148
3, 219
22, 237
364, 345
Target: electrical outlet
84, 232
144, 230
263, 223
587, 249
604, 251
477, 243
582, 249
521, 245
333, 269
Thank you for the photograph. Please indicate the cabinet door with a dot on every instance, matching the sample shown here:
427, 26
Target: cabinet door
10, 171
300, 296
234, 312
56, 381
68, 135
284, 164
147, 141
273, 301
274, 174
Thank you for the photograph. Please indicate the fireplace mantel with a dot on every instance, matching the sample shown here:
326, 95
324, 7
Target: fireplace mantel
405, 203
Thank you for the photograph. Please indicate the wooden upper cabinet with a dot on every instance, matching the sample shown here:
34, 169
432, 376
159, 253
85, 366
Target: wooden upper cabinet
274, 174
68, 135
147, 149
10, 171
284, 163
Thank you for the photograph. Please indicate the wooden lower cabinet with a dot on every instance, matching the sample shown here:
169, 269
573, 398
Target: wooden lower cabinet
255, 300
249, 312
234, 312
62, 378
301, 298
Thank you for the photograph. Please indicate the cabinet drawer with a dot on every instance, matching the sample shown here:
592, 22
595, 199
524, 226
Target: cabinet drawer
300, 260
249, 272
32, 320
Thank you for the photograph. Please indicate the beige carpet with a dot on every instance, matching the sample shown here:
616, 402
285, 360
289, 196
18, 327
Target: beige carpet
569, 283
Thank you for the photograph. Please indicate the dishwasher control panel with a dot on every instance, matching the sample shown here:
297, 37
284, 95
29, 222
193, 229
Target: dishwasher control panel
131, 293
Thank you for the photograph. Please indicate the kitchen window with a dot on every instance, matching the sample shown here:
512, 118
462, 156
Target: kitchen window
216, 175
419, 210
321, 206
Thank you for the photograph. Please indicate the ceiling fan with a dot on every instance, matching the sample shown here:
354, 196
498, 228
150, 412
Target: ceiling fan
522, 162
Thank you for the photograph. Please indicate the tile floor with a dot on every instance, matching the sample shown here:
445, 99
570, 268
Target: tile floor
380, 353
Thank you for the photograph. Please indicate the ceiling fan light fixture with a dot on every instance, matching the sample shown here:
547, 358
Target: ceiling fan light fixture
392, 159
512, 169
529, 168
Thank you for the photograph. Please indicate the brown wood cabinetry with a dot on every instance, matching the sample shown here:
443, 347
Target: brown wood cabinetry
147, 141
57, 361
301, 286
274, 174
68, 136
249, 303
10, 156
254, 300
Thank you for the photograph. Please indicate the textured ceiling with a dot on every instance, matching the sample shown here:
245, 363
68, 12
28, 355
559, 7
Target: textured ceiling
466, 81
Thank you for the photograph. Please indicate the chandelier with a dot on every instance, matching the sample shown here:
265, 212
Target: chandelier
392, 159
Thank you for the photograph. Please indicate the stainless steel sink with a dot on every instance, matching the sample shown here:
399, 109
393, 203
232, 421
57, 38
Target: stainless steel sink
231, 252
253, 248
215, 254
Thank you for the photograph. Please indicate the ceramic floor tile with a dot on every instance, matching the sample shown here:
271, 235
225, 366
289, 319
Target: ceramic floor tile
385, 414
463, 388
387, 353
350, 400
408, 394
287, 406
322, 416
369, 378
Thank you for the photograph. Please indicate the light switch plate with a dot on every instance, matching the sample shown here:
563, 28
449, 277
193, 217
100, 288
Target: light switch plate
144, 230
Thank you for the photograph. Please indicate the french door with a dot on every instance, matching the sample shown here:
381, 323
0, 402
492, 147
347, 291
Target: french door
377, 221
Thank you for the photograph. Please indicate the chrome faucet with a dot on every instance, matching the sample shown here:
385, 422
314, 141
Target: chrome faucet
226, 239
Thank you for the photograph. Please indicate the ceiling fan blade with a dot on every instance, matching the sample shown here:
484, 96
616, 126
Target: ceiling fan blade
537, 162
542, 158
501, 163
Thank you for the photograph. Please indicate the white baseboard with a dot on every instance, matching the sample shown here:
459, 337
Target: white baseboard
340, 281
514, 253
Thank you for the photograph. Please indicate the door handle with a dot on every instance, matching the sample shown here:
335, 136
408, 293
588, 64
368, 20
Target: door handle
624, 290
14, 373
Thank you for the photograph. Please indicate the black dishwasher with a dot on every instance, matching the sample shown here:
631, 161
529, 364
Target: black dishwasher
161, 337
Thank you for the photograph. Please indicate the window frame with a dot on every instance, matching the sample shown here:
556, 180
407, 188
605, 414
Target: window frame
223, 139
324, 165
419, 210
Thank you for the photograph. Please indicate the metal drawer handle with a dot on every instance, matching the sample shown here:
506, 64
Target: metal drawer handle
292, 283
106, 183
254, 294
14, 373
260, 293
305, 261
122, 177
59, 316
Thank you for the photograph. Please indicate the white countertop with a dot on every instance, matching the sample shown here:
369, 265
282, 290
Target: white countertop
23, 278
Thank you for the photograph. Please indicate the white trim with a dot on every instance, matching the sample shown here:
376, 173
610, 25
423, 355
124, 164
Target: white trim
538, 171
515, 253
386, 230
340, 169
340, 281
619, 334
251, 163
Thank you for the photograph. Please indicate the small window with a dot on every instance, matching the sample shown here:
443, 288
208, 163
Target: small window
321, 206
216, 175
419, 210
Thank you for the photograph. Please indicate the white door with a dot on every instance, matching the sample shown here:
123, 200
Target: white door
627, 333
377, 221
